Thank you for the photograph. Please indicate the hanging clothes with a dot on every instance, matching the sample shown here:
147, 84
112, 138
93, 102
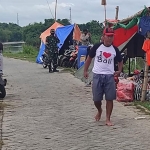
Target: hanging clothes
146, 48
144, 25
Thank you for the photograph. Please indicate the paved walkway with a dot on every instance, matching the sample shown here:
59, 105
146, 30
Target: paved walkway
55, 112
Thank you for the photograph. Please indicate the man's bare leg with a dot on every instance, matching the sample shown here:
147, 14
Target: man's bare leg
109, 108
98, 106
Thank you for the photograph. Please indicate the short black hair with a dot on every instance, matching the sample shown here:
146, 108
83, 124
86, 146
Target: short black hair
52, 31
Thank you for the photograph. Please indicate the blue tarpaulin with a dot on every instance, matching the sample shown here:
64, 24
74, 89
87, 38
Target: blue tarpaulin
62, 33
144, 25
82, 51
41, 51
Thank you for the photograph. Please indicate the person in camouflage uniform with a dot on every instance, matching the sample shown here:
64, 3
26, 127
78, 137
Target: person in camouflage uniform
51, 46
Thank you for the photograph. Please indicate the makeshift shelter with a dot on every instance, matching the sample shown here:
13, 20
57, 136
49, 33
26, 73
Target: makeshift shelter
43, 39
129, 34
67, 35
47, 31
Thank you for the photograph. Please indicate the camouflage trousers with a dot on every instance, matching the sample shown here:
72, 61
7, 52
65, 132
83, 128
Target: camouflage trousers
53, 59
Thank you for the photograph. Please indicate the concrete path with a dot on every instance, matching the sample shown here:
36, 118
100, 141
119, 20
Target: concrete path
55, 112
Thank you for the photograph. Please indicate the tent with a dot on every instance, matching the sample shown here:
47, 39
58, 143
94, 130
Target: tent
47, 31
128, 35
43, 38
66, 35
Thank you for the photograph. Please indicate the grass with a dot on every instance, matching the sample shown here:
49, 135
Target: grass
29, 53
145, 104
21, 56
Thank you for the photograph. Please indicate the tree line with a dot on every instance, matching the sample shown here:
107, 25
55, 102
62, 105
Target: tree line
30, 34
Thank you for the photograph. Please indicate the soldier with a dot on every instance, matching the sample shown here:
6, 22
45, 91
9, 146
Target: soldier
51, 46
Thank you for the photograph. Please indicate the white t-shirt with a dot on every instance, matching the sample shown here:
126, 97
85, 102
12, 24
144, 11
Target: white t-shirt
105, 58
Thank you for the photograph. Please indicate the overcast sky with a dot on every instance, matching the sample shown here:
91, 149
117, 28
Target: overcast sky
30, 11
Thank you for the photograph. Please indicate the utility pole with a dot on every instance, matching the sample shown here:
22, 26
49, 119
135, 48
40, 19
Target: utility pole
117, 11
70, 16
17, 20
55, 10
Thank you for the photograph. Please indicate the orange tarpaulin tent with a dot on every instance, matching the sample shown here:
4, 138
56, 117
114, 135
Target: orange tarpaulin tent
76, 33
47, 32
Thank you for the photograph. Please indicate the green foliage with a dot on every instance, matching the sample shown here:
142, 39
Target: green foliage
29, 50
29, 53
10, 32
139, 65
145, 104
31, 33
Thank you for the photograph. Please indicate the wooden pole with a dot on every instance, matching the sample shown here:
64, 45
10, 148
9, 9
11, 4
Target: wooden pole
117, 11
103, 2
129, 67
105, 12
144, 88
55, 10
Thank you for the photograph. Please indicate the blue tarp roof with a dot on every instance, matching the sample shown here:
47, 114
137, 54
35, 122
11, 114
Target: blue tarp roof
62, 33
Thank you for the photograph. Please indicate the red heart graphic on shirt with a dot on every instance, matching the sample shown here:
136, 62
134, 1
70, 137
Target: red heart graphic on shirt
107, 55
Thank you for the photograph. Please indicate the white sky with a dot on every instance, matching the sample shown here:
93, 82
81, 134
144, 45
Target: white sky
83, 11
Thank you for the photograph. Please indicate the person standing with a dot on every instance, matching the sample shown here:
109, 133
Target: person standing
51, 46
106, 55
85, 37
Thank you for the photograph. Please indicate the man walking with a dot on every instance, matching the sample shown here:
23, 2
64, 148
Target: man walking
51, 46
106, 55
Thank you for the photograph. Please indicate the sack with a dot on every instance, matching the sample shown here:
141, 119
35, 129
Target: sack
125, 91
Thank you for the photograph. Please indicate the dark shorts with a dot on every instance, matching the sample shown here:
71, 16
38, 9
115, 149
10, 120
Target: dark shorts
103, 84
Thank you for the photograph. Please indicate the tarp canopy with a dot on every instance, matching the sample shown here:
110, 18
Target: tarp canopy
43, 39
41, 51
47, 31
126, 36
127, 29
129, 22
63, 32
122, 36
70, 30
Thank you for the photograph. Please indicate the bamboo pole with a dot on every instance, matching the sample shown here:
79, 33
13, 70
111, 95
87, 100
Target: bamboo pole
105, 12
144, 88
126, 20
117, 11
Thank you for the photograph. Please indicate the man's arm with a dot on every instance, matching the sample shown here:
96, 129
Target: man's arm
91, 55
87, 63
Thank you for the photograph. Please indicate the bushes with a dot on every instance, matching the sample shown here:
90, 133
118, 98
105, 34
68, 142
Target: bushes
29, 53
29, 50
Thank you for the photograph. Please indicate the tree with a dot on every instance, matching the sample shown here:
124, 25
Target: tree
31, 33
